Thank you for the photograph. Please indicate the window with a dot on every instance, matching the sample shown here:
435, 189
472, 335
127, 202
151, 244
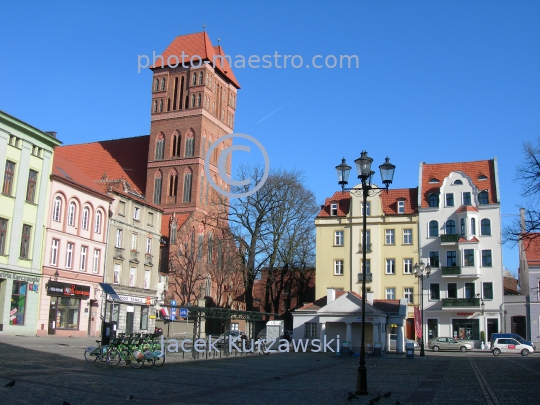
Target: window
194, 78
156, 84
469, 290
390, 293
451, 227
148, 246
333, 209
451, 290
390, 266
25, 242
118, 238
193, 101
483, 197
162, 84
407, 266
161, 105
467, 198
144, 318
187, 187
67, 312
473, 226
199, 100
368, 239
160, 147
69, 255
132, 275
155, 106
462, 226
338, 267
190, 145
18, 302
157, 188
97, 226
57, 209
401, 207
485, 227
468, 254
116, 279
488, 291
433, 200
210, 250
54, 251
434, 292
433, 229
434, 260
311, 329
451, 258
457, 183
408, 294
122, 208
486, 258
85, 218
71, 214
146, 279
95, 264
368, 208
389, 239
3, 235
338, 240
407, 236
150, 219
134, 241
136, 213
31, 187
200, 243
9, 176
84, 251
368, 266
201, 78
449, 199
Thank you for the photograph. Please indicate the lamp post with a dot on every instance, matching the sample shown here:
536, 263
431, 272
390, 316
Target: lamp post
421, 271
363, 166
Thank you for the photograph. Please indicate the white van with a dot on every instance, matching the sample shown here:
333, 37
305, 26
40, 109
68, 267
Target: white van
510, 345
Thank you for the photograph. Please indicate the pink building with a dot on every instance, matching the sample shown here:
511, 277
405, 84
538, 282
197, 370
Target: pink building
74, 253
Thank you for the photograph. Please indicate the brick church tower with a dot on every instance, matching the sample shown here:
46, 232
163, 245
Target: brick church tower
193, 104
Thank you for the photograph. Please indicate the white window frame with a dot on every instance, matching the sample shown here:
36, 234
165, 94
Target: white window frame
71, 213
390, 293
147, 279
310, 329
69, 254
119, 234
148, 246
54, 251
134, 240
401, 207
97, 225
338, 267
132, 276
84, 253
408, 293
390, 266
57, 209
136, 213
338, 238
390, 237
95, 265
407, 235
407, 266
85, 218
117, 273
333, 209
368, 205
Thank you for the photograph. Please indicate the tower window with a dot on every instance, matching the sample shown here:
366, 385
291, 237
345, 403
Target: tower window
193, 101
157, 188
187, 187
160, 146
163, 84
199, 98
190, 143
201, 78
161, 105
156, 84
194, 79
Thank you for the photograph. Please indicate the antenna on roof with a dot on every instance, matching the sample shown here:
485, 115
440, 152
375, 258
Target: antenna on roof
204, 25
219, 39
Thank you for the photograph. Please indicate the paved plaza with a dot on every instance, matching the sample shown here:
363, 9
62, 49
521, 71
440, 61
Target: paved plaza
51, 370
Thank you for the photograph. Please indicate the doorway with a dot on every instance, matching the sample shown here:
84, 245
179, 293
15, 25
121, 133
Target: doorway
432, 329
129, 322
519, 326
52, 317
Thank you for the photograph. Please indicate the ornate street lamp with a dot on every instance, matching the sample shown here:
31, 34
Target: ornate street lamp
363, 166
421, 271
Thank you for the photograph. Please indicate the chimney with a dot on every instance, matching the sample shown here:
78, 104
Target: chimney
369, 297
330, 295
522, 217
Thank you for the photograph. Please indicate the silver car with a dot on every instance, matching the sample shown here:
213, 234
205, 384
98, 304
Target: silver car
448, 343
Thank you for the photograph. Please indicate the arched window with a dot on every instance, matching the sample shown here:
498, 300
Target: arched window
193, 101
457, 182
157, 187
200, 243
155, 106
194, 79
433, 200
208, 286
485, 227
71, 214
199, 98
462, 226
163, 84
190, 144
173, 232
161, 105
192, 244
173, 183
85, 218
483, 197
473, 226
201, 78
187, 186
176, 144
160, 146
57, 209
210, 250
156, 84
97, 226
433, 229
451, 227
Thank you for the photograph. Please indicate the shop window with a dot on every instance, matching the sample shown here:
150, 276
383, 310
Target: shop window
144, 318
67, 313
18, 302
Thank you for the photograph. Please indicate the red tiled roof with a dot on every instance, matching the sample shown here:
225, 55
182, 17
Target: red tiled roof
388, 306
474, 170
531, 245
343, 200
389, 200
465, 208
117, 159
197, 44
69, 172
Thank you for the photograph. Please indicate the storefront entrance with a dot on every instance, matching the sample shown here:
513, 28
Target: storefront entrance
52, 317
129, 321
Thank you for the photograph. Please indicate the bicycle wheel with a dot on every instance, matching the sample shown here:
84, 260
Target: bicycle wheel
90, 357
114, 357
159, 358
136, 359
149, 359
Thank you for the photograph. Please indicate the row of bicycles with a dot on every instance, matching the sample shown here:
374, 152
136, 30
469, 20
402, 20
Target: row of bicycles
136, 349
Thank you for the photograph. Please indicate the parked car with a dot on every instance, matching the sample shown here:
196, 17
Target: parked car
510, 345
448, 343
416, 345
512, 336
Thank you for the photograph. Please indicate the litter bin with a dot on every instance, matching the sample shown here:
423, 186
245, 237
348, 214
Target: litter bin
409, 350
377, 349
345, 348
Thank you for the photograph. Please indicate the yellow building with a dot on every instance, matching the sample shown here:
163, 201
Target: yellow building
392, 246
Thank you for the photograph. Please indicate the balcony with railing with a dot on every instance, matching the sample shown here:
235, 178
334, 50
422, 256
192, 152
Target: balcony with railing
460, 303
369, 278
449, 239
451, 271
368, 247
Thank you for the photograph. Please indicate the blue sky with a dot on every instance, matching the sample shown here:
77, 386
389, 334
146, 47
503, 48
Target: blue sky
438, 81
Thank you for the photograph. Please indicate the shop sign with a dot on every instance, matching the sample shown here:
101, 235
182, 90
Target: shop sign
20, 277
465, 313
57, 289
130, 299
